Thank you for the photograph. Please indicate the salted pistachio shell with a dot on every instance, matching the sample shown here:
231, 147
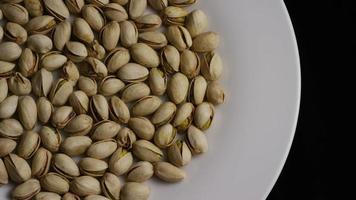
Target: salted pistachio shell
121, 2
96, 50
157, 80
128, 33
105, 129
41, 162
8, 106
87, 85
136, 8
79, 125
82, 30
146, 151
34, 7
102, 149
177, 88
134, 92
168, 172
10, 51
99, 107
117, 58
62, 116
4, 177
143, 54
173, 15
10, 128
18, 169
6, 146
93, 67
196, 140
19, 85
61, 34
184, 116
53, 182
28, 63
44, 109
65, 166
140, 172
85, 185
142, 127
134, 191
110, 85
75, 51
70, 196
120, 161
179, 37
95, 197
47, 196
154, 39
28, 145
125, 138
146, 106
51, 138
53, 60
92, 167
74, 6
149, 22
164, 114
94, 16
110, 35
15, 32
70, 72
26, 190
170, 59
6, 70
42, 82
205, 42
179, 154
41, 24
14, 12
181, 3
57, 8
189, 63
215, 93
76, 145
165, 136
60, 92
39, 43
196, 22
115, 12
158, 4
132, 72
79, 101
4, 89
197, 90
27, 112
212, 66
111, 185
99, 3
203, 115
118, 110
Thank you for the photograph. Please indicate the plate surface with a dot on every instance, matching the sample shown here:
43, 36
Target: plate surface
252, 132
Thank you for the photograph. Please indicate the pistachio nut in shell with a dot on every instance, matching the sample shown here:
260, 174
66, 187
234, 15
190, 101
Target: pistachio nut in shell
6, 146
94, 16
179, 153
4, 89
177, 88
173, 15
75, 51
121, 2
157, 80
140, 172
115, 12
62, 116
125, 138
105, 129
134, 191
61, 34
146, 106
93, 67
196, 140
196, 22
96, 50
111, 185
87, 85
14, 12
41, 24
170, 59
39, 43
110, 35
179, 37
212, 66
28, 62
184, 116
6, 70
135, 91
4, 177
1, 33
44, 109
27, 112
8, 106
18, 169
168, 172
146, 151
70, 72
82, 30
19, 85
190, 64
15, 32
53, 60
51, 138
65, 166
99, 107
41, 162
203, 115
164, 114
26, 190
34, 7
76, 145
74, 6
85, 185
181, 3
79, 125
95, 197
47, 196
99, 3
60, 92
132, 72
57, 8
79, 101
215, 93
119, 112
92, 167
148, 22
53, 182
143, 54
70, 196
10, 51
154, 39
206, 42
158, 4
102, 149
10, 128
197, 90
136, 8
28, 145
117, 58
128, 33
120, 161
165, 136
110, 85
142, 127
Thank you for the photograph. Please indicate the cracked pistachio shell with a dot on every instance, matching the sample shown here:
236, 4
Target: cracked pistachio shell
82, 30
164, 114
75, 51
14, 12
212, 66
125, 138
179, 154
111, 185
173, 15
158, 4
184, 116
10, 128
53, 60
79, 101
105, 129
76, 145
143, 54
53, 182
93, 67
65, 166
47, 196
74, 6
41, 162
128, 33
115, 12
215, 93
34, 7
146, 106
134, 92
149, 22
6, 146
41, 24
118, 110
154, 39
110, 85
132, 72
28, 145
4, 177
196, 140
10, 51
205, 42
140, 172
70, 72
196, 22
42, 82
181, 3
70, 196
134, 191
170, 59
60, 92
51, 138
26, 190
87, 85
79, 125
120, 161
99, 107
197, 90
136, 8
85, 185
168, 172
61, 34
27, 112
94, 16
179, 37
39, 43
19, 85
142, 127
17, 168
117, 58
189, 64
157, 80
177, 88
44, 109
8, 106
110, 35
4, 90
203, 115
99, 3
102, 149
92, 167
15, 33
146, 151
96, 50
28, 63
57, 8
62, 116
6, 70
165, 136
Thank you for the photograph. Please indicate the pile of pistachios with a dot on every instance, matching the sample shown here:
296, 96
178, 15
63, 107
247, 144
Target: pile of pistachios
94, 90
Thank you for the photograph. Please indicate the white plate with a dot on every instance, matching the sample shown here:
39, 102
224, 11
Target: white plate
252, 132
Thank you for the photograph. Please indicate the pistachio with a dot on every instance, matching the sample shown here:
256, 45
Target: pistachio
203, 115
6, 146
94, 16
142, 127
27, 112
19, 85
179, 37
134, 92
111, 185
53, 60
125, 138
99, 3
105, 129
53, 182
16, 13
34, 7
118, 110
164, 114
172, 15
29, 144
110, 35
3, 85
154, 39
179, 153
181, 3
165, 136
70, 196
115, 12
41, 162
65, 166
4, 177
44, 109
128, 33
168, 172
196, 22
183, 117
61, 34
47, 196
102, 149
143, 54
60, 92
170, 59
82, 30
92, 167
96, 50
197, 90
79, 125
149, 22
132, 72
189, 64
117, 58
79, 101
196, 140
6, 70
110, 85
70, 72
146, 151
93, 67
85, 185
10, 51
74, 6
146, 106
51, 138
26, 190
1, 32
75, 51
211, 66
140, 172
178, 88
17, 168
62, 116
121, 2
28, 63
136, 8
215, 93
39, 43
134, 191
87, 85
120, 161
158, 4
57, 8
205, 42
15, 32
42, 82
41, 24
8, 107
99, 107
10, 128
76, 145
157, 81
95, 197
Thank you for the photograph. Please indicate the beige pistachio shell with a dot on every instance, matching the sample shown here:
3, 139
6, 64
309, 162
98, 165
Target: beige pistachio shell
196, 22
110, 35
115, 12
179, 153
170, 59
181, 3
15, 32
140, 172
53, 182
119, 112
34, 7
158, 4
61, 34
96, 50
79, 125
125, 138
120, 161
205, 42
178, 88
62, 116
39, 43
51, 138
10, 51
197, 90
148, 22
102, 149
14, 12
18, 169
142, 127
4, 177
93, 67
74, 6
184, 116
134, 92
203, 115
87, 85
105, 129
190, 64
212, 66
8, 106
94, 16
76, 145
19, 85
165, 136
53, 60
75, 51
65, 166
143, 54
134, 191
10, 128
145, 106
99, 108
132, 72
26, 190
179, 37
6, 70
154, 39
117, 58
79, 101
99, 3
95, 197
164, 114
111, 186
82, 30
41, 24
157, 80
4, 89
121, 2
28, 62
128, 33
92, 167
136, 8
41, 162
215, 93
85, 185
146, 151
110, 85
60, 92
70, 72
44, 109
27, 112
47, 196
70, 196
196, 140
173, 15
168, 172
57, 8
28, 145
6, 146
